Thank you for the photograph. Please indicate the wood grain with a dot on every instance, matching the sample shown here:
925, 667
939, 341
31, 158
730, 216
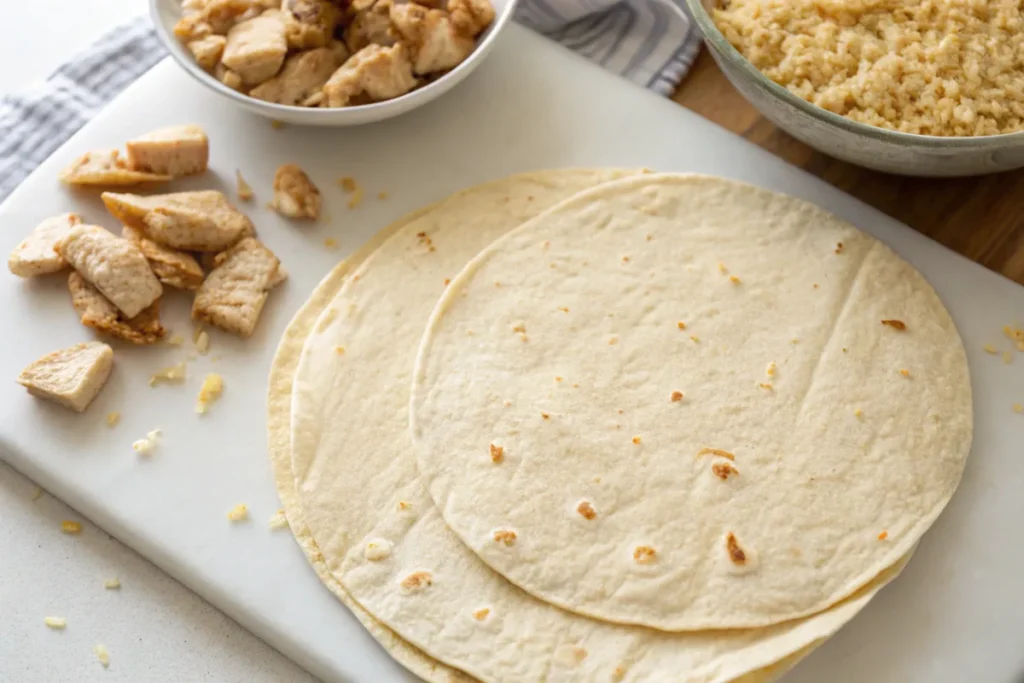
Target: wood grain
981, 218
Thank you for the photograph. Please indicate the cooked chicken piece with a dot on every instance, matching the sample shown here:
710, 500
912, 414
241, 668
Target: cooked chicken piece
172, 267
256, 47
295, 195
97, 312
433, 41
303, 75
71, 377
233, 295
228, 78
340, 51
189, 7
190, 221
370, 25
310, 23
173, 151
471, 17
192, 27
375, 72
106, 167
37, 253
113, 265
208, 50
314, 100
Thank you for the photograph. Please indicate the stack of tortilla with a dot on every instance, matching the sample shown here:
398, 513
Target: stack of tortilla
603, 425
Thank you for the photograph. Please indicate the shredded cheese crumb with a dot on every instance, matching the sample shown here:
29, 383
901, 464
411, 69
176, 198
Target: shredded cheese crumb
239, 513
357, 198
766, 385
506, 537
990, 349
545, 416
112, 584
612, 341
172, 375
69, 527
695, 339
722, 269
243, 188
884, 535
55, 622
770, 370
213, 387
481, 613
113, 418
330, 243
202, 342
147, 445
716, 451
676, 396
348, 183
905, 372
497, 453
681, 325
103, 655
404, 505
340, 350
857, 412
733, 279
636, 439
278, 521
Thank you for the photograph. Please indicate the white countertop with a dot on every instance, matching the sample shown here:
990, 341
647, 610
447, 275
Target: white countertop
154, 628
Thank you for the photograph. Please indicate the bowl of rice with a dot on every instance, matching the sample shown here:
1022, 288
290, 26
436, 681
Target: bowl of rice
912, 87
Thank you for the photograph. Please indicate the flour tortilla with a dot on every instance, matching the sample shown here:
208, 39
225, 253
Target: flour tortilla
357, 483
841, 462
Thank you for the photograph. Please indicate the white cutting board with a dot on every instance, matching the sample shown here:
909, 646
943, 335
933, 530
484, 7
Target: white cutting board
956, 614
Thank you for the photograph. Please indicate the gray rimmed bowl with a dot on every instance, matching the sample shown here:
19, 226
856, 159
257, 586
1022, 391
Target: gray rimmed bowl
858, 143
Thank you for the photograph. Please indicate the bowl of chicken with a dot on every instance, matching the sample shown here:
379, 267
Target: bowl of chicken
329, 62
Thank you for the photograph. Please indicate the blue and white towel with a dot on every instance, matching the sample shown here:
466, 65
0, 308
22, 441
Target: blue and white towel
650, 42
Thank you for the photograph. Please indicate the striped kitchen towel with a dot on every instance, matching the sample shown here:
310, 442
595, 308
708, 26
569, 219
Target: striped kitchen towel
650, 42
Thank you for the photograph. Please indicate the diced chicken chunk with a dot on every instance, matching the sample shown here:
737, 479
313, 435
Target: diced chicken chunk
256, 47
192, 27
233, 295
97, 312
106, 167
434, 43
340, 51
370, 25
171, 266
375, 73
310, 23
208, 50
190, 221
295, 195
114, 266
174, 151
228, 78
71, 377
303, 75
471, 17
37, 253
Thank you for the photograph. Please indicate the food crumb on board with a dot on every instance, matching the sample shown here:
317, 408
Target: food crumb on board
481, 613
735, 280
506, 537
173, 374
636, 439
716, 451
203, 342
278, 521
348, 184
857, 412
497, 453
113, 418
766, 386
56, 623
147, 445
770, 370
112, 584
213, 387
724, 470
244, 190
102, 654
357, 198
70, 527
695, 339
330, 243
990, 349
586, 509
681, 325
239, 513
905, 372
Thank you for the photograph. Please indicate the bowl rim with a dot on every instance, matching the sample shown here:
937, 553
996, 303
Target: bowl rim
716, 39
176, 50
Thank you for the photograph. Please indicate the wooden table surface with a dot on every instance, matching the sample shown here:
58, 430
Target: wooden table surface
981, 218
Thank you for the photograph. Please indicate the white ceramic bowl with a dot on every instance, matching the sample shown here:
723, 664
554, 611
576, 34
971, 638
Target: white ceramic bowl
165, 14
